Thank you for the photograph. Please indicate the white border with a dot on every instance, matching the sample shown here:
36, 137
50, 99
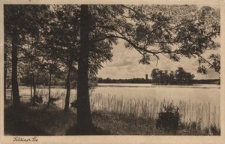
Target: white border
131, 139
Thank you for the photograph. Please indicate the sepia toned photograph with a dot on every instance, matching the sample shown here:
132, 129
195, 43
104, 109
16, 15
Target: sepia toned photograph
111, 69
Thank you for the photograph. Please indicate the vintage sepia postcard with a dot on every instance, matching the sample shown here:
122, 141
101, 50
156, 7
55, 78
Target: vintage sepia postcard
112, 72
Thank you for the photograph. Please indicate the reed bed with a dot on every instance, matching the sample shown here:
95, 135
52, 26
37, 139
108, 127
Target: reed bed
205, 114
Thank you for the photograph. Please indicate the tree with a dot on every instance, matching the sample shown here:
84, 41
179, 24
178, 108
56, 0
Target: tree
171, 78
62, 35
62, 38
142, 28
180, 76
5, 74
183, 77
17, 24
154, 75
7, 63
84, 120
13, 31
30, 63
15, 88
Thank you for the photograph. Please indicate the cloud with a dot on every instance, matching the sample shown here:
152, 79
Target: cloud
122, 62
125, 64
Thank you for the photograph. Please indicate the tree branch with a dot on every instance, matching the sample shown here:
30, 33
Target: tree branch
206, 61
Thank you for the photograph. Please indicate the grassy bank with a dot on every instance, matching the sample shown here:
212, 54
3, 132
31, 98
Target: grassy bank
39, 120
51, 121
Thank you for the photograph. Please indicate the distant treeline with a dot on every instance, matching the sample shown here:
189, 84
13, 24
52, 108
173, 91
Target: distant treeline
177, 77
142, 80
133, 80
206, 81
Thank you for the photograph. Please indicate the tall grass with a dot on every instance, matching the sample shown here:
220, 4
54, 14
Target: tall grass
205, 114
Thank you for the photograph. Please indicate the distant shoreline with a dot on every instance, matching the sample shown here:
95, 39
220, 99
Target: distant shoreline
149, 81
121, 82
136, 85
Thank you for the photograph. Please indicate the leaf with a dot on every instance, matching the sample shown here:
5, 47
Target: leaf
145, 59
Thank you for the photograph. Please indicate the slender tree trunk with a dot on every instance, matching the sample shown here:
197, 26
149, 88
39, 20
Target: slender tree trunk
31, 87
5, 74
70, 66
15, 87
36, 83
34, 88
67, 100
30, 74
84, 120
49, 87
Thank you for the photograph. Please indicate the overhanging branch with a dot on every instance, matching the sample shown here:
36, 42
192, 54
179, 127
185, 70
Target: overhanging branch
207, 61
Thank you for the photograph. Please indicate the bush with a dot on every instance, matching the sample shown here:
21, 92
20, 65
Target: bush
215, 130
37, 99
74, 104
168, 118
212, 130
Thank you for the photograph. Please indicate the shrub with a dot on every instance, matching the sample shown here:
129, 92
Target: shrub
168, 118
37, 99
74, 104
215, 130
212, 130
54, 99
194, 127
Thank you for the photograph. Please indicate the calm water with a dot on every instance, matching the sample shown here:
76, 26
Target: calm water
194, 100
197, 93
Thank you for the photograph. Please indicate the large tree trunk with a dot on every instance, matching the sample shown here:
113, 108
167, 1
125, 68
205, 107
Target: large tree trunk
84, 120
15, 88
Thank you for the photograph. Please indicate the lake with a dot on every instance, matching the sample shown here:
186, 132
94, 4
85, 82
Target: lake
197, 103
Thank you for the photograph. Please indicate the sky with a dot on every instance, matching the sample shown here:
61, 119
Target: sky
125, 65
